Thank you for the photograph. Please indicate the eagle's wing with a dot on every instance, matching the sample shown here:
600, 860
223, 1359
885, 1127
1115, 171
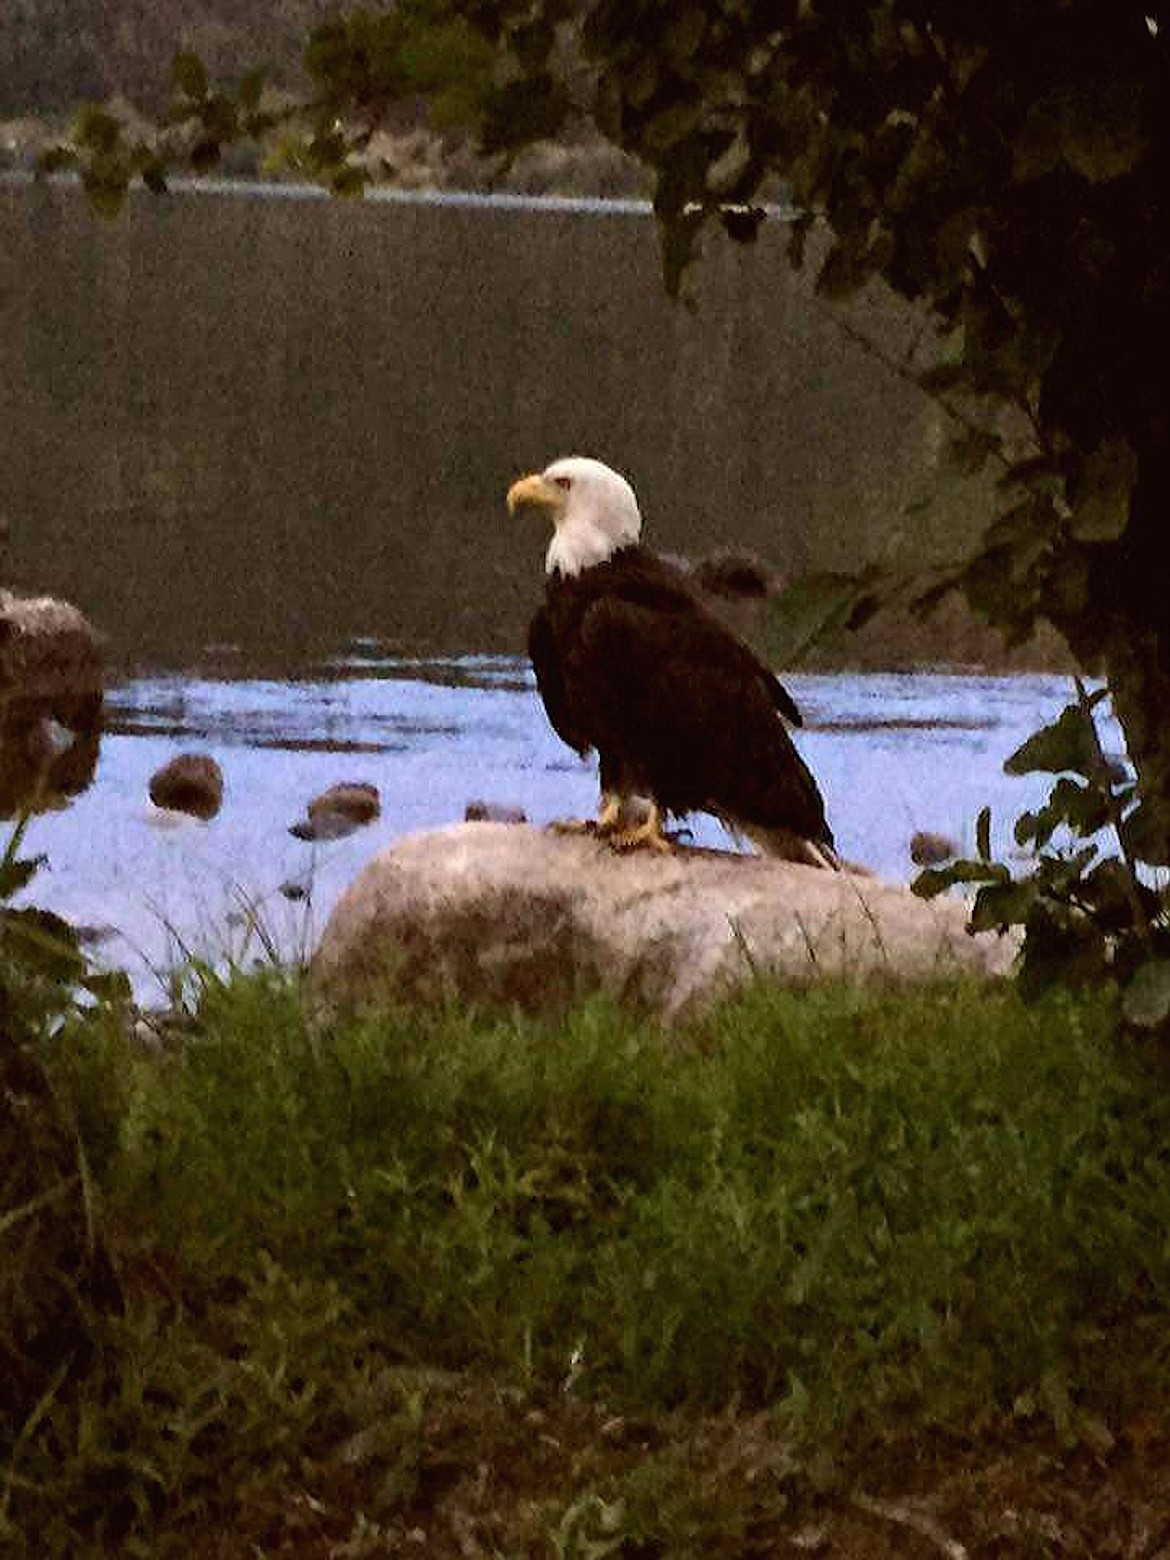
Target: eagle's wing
689, 707
550, 681
660, 585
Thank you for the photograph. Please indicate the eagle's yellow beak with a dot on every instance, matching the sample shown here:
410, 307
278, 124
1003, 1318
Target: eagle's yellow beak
536, 490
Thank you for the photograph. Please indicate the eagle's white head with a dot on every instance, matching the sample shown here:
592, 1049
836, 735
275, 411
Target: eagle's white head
593, 509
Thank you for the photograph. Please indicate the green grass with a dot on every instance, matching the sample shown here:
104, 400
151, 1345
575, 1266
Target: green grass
871, 1219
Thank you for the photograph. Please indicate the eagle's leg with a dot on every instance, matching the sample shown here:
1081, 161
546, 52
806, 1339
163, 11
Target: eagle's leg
646, 835
608, 818
609, 814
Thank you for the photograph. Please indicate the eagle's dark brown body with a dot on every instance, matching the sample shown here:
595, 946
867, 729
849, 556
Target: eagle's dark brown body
630, 662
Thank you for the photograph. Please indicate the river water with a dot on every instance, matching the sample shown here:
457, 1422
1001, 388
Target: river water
233, 470
893, 753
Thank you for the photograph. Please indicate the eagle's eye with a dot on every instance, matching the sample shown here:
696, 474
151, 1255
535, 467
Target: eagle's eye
564, 482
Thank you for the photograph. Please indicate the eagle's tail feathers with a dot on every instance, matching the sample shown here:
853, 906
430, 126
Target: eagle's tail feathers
786, 845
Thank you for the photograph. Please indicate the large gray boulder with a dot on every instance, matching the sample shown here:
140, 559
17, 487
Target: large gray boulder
509, 914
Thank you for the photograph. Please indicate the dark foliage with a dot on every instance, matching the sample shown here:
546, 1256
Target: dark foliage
53, 1263
1087, 904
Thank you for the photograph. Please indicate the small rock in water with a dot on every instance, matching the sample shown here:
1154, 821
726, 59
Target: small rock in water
89, 936
339, 811
190, 783
931, 850
736, 575
493, 812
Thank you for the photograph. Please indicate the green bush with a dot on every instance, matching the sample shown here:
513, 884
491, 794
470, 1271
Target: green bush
873, 1217
851, 1204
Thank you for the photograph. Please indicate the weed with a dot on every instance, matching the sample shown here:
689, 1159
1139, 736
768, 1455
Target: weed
847, 1218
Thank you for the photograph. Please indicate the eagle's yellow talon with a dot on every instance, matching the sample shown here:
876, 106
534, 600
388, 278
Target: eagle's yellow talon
646, 835
609, 819
635, 839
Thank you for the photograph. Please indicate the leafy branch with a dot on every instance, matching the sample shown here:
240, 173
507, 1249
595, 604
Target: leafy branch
43, 967
1090, 915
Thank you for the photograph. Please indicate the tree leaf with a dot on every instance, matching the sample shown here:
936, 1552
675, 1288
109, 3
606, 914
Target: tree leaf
845, 269
1063, 947
943, 377
189, 74
55, 159
1100, 497
1079, 807
742, 223
17, 873
1094, 127
1034, 473
1037, 148
110, 986
349, 180
43, 943
154, 176
1067, 960
251, 90
727, 173
641, 83
983, 834
1058, 876
1146, 1000
936, 880
1068, 745
969, 452
813, 610
1024, 830
678, 236
1068, 587
96, 130
531, 109
684, 34
1145, 833
205, 155
923, 602
1103, 134
798, 230
999, 906
106, 194
1111, 893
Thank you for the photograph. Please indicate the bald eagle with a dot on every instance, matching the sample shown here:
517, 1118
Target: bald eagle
629, 662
